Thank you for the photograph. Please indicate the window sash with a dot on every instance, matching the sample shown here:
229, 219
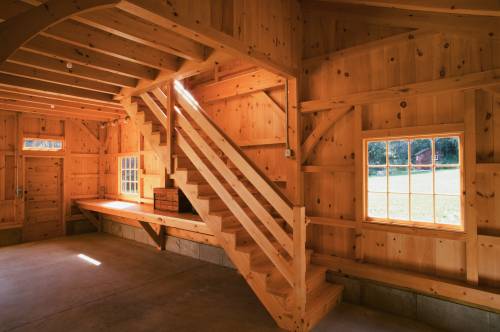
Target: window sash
413, 217
129, 175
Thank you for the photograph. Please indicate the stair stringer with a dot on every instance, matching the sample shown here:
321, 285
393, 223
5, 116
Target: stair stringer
256, 282
239, 259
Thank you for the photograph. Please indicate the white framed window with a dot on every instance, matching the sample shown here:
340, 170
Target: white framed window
128, 175
415, 180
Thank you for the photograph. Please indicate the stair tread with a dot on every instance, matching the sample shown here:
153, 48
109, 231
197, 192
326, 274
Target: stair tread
266, 266
322, 296
283, 288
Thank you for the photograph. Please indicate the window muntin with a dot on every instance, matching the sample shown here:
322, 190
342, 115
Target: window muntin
129, 180
42, 144
415, 180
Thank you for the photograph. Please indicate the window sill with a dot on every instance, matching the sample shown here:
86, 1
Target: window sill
417, 229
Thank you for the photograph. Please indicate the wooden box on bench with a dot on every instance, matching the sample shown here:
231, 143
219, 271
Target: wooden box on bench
171, 200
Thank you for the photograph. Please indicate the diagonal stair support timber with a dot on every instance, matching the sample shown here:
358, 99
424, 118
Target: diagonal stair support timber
261, 232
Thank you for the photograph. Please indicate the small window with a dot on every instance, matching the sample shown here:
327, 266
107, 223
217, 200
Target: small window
415, 180
40, 144
129, 180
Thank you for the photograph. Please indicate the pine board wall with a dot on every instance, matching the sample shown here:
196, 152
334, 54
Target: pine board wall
410, 58
80, 161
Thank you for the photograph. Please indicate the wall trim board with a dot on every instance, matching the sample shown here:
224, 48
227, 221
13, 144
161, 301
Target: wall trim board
443, 288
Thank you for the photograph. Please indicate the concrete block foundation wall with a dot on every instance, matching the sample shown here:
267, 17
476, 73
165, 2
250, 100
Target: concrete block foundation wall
442, 314
177, 245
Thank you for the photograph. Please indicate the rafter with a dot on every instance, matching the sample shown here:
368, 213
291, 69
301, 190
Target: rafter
47, 76
81, 35
121, 24
48, 63
15, 81
462, 7
161, 13
16, 32
62, 51
479, 26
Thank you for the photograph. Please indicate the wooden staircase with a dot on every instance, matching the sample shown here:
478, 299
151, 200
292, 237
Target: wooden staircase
260, 230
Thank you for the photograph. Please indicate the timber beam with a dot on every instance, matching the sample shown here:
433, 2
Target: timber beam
16, 32
161, 13
476, 80
478, 26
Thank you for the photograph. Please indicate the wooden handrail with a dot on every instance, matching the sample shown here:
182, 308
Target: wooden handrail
255, 206
157, 111
262, 241
235, 155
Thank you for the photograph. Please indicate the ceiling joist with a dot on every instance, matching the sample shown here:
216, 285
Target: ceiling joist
80, 35
62, 51
161, 13
121, 24
51, 99
47, 76
39, 18
26, 83
48, 63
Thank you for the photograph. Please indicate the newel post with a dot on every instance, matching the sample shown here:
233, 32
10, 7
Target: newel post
299, 267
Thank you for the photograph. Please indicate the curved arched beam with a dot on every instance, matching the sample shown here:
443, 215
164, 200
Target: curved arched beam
331, 118
18, 30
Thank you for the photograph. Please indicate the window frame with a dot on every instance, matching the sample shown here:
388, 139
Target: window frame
410, 223
35, 150
120, 180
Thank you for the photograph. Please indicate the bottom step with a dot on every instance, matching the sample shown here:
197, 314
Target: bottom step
321, 301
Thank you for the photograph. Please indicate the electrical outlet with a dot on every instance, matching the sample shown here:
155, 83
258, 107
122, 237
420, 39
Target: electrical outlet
288, 153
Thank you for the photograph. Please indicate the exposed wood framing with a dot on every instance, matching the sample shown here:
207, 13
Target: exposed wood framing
125, 26
90, 217
409, 280
81, 35
161, 13
314, 137
51, 47
480, 8
481, 26
246, 83
389, 227
470, 189
369, 46
52, 64
47, 76
57, 89
39, 18
465, 82
159, 238
86, 129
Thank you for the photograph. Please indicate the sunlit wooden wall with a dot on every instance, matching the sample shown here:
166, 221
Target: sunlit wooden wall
418, 57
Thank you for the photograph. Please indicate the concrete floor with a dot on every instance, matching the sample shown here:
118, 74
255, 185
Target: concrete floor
45, 286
